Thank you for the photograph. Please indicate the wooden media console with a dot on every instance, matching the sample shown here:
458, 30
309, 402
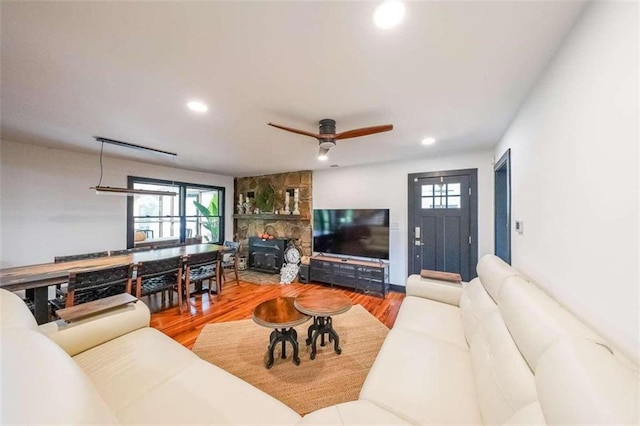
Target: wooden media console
368, 276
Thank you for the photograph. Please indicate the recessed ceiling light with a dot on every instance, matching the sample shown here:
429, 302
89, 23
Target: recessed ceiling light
388, 14
428, 141
197, 106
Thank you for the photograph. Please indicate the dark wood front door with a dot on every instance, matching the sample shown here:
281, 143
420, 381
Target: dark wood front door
443, 222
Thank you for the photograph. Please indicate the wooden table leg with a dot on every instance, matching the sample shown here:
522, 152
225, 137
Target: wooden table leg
285, 335
324, 326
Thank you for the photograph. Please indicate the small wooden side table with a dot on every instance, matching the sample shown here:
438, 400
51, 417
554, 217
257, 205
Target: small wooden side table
322, 305
282, 316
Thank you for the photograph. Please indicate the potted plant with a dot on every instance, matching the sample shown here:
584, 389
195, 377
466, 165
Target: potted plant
211, 224
265, 198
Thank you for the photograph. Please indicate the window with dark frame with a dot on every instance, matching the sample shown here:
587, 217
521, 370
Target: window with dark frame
195, 213
441, 196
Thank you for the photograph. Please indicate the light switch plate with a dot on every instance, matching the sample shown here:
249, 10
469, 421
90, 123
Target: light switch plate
519, 226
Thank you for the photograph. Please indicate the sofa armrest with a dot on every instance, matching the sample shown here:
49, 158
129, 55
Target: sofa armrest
440, 291
95, 330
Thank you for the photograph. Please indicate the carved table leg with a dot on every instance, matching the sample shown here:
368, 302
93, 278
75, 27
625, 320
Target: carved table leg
283, 336
322, 326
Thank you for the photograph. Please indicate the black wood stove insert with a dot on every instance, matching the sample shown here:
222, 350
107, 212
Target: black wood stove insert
266, 255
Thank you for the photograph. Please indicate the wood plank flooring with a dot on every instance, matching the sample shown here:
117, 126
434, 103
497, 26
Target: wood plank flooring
237, 301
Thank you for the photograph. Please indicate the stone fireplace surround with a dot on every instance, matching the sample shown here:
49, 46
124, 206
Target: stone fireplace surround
292, 227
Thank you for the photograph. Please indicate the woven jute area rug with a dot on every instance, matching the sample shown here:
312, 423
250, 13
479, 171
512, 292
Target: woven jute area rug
240, 348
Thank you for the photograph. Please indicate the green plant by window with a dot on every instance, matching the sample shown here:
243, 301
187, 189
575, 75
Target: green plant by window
210, 214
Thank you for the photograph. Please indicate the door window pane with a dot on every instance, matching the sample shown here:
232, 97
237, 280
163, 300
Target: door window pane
427, 202
439, 189
453, 202
453, 189
439, 203
427, 190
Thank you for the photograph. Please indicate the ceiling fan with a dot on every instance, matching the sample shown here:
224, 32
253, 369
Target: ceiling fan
327, 137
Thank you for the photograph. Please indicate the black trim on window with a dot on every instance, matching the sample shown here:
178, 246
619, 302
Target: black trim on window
182, 194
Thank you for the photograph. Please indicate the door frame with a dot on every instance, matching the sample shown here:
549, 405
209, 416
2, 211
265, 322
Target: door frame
473, 212
503, 163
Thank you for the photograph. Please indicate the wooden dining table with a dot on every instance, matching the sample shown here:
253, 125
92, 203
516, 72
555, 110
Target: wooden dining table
39, 277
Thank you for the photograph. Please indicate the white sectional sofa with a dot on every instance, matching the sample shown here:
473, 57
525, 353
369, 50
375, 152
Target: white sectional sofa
115, 369
497, 350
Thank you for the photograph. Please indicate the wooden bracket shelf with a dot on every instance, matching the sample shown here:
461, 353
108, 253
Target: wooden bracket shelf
270, 216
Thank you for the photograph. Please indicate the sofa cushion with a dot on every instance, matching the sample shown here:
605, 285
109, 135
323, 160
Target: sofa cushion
504, 382
360, 412
42, 385
530, 414
126, 368
536, 321
84, 334
146, 377
438, 320
475, 305
15, 313
423, 380
580, 381
205, 394
493, 272
440, 291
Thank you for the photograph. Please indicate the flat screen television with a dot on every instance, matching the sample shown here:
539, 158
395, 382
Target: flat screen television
352, 232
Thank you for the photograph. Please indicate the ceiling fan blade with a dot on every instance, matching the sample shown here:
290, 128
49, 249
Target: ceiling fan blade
364, 131
300, 132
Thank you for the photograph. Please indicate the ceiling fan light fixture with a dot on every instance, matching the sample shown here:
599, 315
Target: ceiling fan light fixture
326, 144
327, 136
323, 154
389, 14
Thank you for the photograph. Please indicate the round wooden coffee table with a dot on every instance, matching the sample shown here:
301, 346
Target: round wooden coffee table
282, 316
322, 305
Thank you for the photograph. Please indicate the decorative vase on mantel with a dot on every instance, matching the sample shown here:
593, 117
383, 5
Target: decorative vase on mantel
296, 194
286, 203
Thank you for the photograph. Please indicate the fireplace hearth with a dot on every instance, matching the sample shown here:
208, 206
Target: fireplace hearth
266, 255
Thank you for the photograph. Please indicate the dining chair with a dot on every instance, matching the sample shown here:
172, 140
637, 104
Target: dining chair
158, 276
201, 267
230, 261
61, 289
94, 284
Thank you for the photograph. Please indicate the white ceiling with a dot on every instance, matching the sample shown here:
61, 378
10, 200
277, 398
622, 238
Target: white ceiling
454, 70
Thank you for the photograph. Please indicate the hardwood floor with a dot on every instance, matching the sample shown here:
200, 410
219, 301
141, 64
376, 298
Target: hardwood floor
237, 302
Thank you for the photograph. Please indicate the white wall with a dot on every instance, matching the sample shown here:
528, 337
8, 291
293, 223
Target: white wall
574, 153
47, 208
384, 185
